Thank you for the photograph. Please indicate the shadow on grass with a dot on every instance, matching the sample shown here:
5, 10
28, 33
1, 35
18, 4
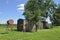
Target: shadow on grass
22, 31
15, 30
4, 33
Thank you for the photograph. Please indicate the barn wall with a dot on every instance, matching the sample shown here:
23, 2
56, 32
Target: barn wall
27, 26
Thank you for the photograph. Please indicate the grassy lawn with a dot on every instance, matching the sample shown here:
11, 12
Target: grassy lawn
45, 34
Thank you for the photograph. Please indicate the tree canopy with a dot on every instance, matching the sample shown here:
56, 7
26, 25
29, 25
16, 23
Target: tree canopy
35, 10
56, 16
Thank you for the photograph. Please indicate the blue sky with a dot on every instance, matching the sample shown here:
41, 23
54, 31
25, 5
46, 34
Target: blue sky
13, 9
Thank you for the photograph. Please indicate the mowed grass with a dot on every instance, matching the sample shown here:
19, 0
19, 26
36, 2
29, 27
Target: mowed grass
45, 34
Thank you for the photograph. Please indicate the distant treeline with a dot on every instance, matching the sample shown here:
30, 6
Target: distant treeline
6, 24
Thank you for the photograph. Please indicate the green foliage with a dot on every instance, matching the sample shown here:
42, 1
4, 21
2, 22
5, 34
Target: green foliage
39, 8
32, 10
36, 9
56, 17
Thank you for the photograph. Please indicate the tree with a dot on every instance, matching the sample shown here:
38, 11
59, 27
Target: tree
32, 12
35, 9
47, 8
56, 16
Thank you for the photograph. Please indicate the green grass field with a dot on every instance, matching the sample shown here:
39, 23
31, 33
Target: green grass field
45, 34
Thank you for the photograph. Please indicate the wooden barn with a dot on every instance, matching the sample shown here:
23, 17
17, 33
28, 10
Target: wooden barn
27, 26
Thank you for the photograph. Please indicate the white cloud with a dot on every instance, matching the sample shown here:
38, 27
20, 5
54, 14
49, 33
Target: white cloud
20, 7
